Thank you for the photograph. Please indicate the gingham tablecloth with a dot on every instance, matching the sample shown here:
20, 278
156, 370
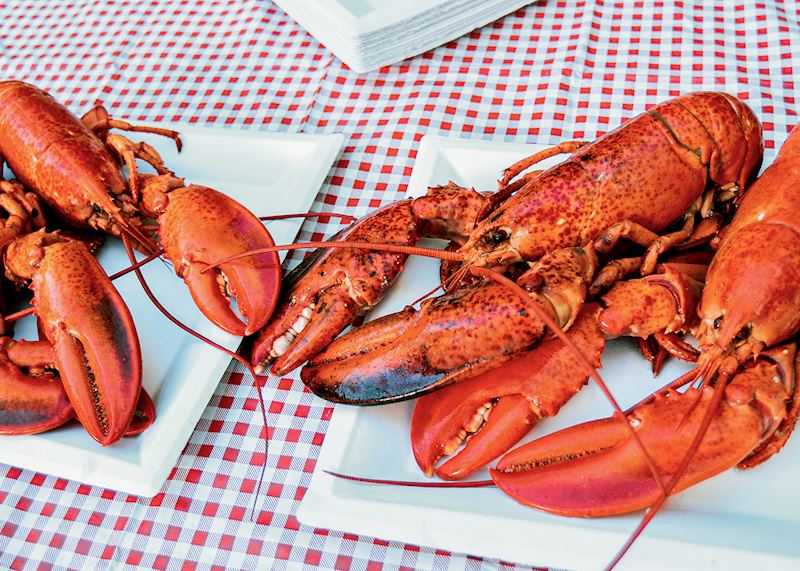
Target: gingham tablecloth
561, 69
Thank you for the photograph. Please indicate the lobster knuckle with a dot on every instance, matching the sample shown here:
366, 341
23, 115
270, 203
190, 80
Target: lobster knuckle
781, 406
660, 303
561, 278
450, 211
97, 350
155, 191
202, 226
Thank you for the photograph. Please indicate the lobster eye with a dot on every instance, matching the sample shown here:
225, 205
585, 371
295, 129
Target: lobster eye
496, 236
718, 323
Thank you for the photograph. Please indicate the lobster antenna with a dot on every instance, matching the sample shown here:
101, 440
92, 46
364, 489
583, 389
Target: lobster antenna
136, 268
474, 484
449, 256
588, 367
346, 218
136, 265
454, 279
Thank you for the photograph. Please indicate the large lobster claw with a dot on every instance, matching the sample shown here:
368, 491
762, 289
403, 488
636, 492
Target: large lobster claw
407, 354
330, 290
597, 469
494, 410
89, 326
199, 226
452, 337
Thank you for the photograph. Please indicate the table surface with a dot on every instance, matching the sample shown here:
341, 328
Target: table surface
561, 69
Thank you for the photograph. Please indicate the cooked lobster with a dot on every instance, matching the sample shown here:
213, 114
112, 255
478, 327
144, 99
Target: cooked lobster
72, 164
667, 165
746, 404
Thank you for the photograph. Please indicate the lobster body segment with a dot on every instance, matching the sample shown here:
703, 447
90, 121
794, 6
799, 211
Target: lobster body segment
649, 171
52, 152
766, 300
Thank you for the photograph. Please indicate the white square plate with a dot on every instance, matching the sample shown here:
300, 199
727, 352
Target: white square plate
270, 173
740, 519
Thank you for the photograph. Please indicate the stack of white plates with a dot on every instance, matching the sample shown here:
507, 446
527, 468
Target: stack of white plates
368, 34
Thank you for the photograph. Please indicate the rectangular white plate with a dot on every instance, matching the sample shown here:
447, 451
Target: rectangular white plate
270, 173
740, 519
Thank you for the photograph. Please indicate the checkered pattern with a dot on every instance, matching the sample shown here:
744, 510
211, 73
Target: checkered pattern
559, 70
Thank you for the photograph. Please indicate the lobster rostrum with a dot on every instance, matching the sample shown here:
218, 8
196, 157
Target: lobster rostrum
74, 165
89, 366
747, 402
667, 165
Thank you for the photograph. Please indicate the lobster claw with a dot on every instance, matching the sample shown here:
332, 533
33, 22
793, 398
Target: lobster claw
332, 288
406, 354
199, 226
452, 337
30, 404
597, 469
495, 409
91, 330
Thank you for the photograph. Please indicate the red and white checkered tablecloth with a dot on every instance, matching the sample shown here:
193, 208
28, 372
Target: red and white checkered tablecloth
561, 69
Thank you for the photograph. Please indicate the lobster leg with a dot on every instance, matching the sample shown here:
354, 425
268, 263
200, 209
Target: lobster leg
495, 409
98, 120
96, 347
595, 469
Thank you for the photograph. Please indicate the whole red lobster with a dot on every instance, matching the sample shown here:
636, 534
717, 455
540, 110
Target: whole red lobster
71, 164
666, 165
747, 404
